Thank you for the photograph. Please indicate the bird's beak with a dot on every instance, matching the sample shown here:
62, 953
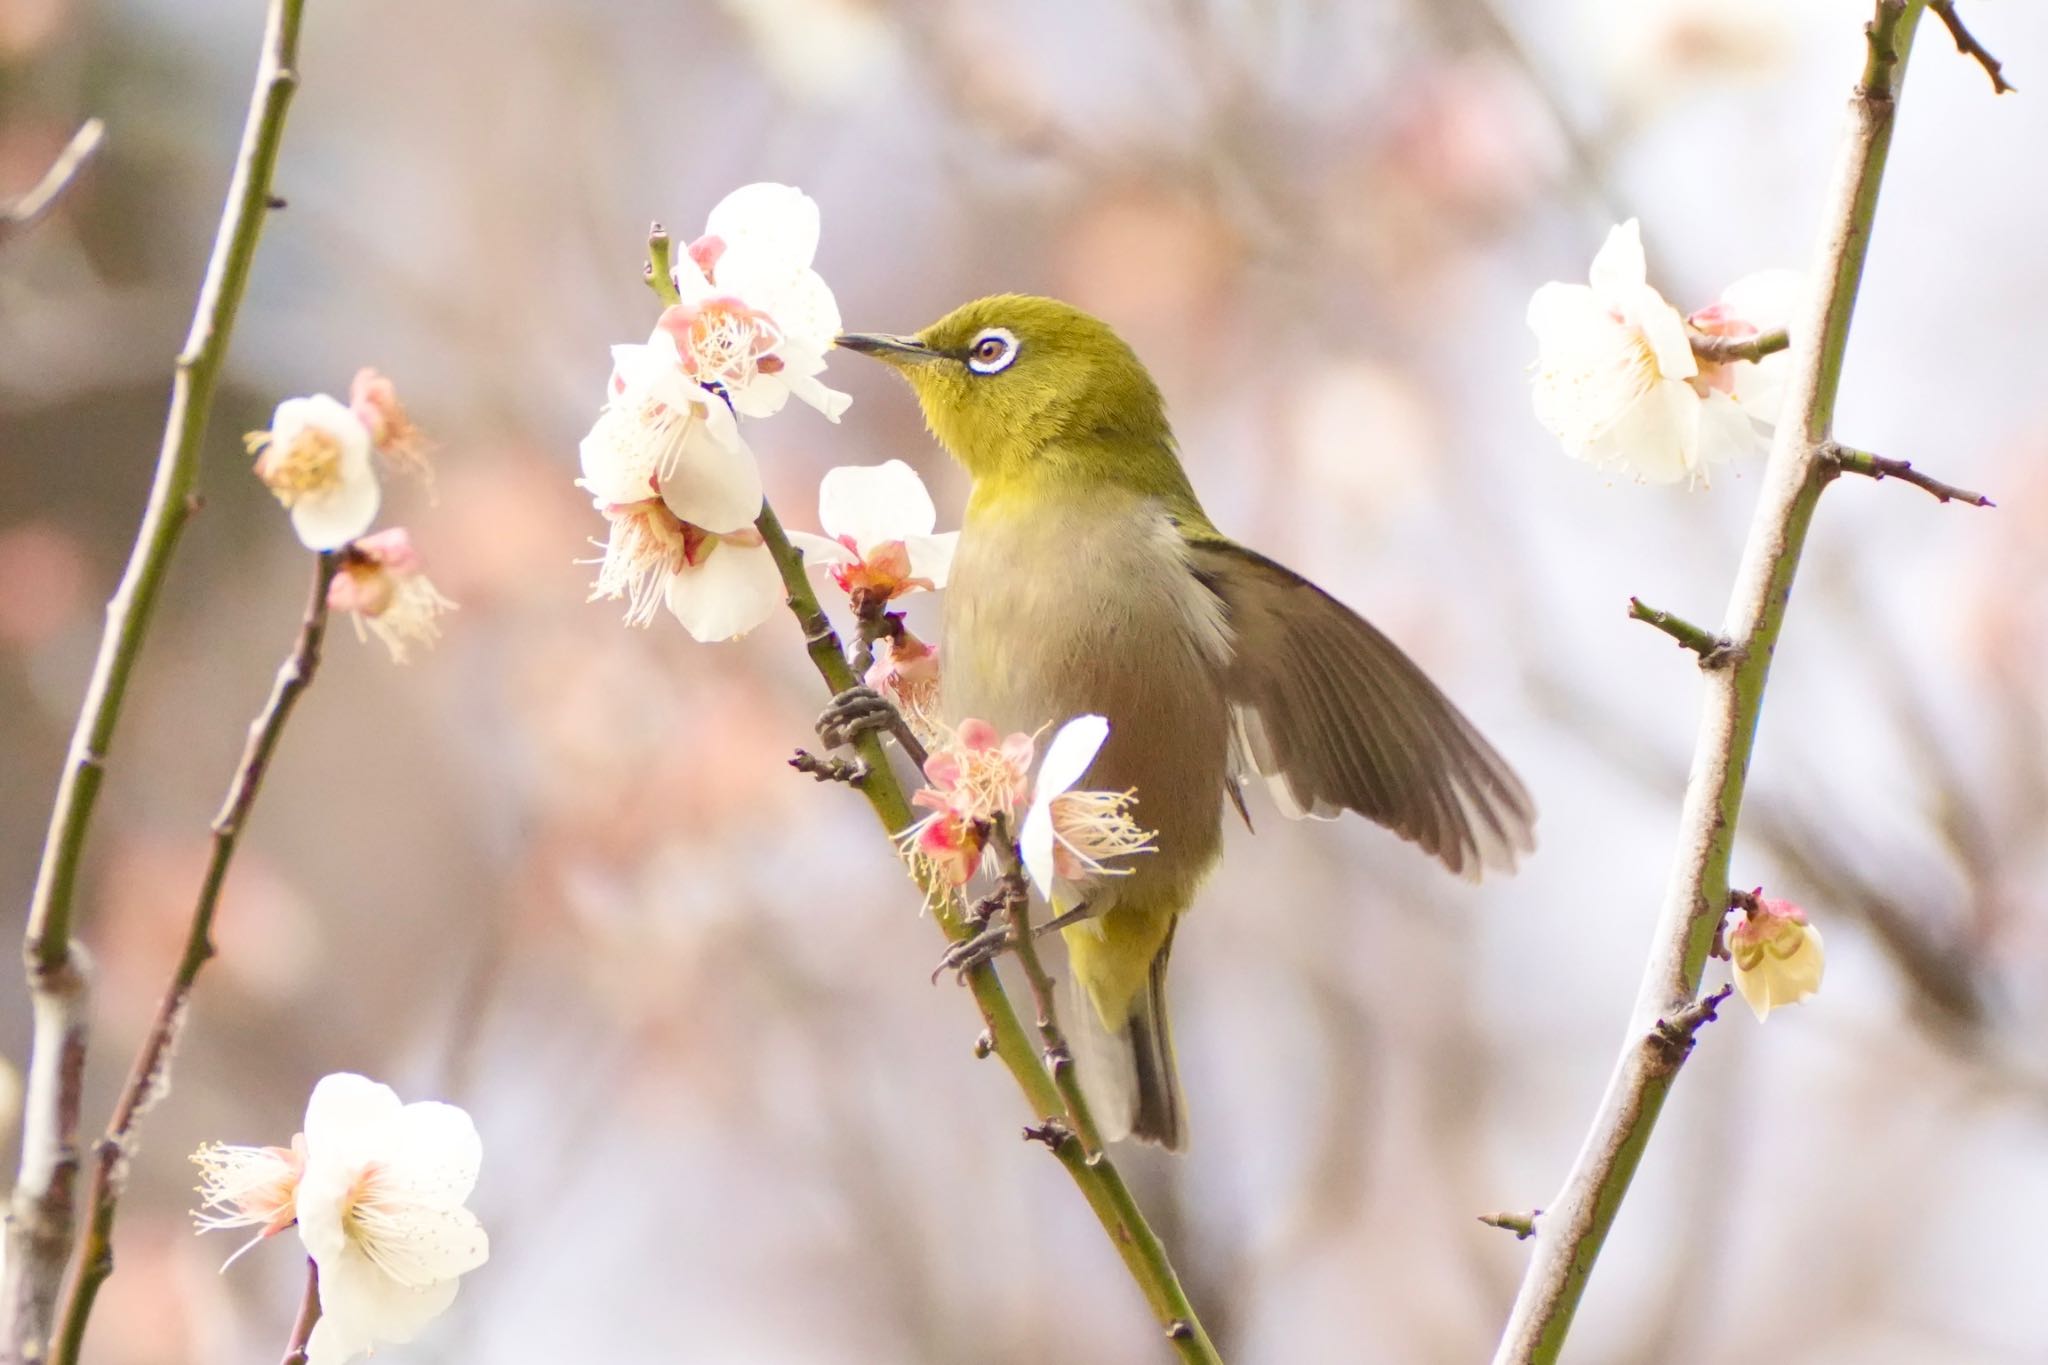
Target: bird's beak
891, 350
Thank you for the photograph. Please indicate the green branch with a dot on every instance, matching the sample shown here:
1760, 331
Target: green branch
1574, 1226
151, 1072
39, 1223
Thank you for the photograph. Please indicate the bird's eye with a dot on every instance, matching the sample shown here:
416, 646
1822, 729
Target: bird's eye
993, 350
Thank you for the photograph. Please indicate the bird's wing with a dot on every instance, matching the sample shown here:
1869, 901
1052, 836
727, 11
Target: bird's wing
1335, 717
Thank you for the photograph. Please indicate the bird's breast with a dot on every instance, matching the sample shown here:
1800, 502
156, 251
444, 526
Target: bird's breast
1088, 606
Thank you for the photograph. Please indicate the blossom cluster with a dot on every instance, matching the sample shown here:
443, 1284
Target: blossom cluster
978, 777
665, 463
376, 1190
1620, 386
316, 459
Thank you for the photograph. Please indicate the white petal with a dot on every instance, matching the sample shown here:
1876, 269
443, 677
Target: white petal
1034, 842
932, 556
790, 292
819, 550
1068, 756
1655, 438
778, 219
1563, 314
335, 1341
328, 521
369, 1306
1726, 433
1766, 300
875, 503
348, 1116
734, 589
1664, 328
1760, 386
806, 387
762, 396
1619, 269
435, 1154
716, 483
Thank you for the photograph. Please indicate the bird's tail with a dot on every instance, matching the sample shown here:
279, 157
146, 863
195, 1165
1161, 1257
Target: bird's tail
1127, 1071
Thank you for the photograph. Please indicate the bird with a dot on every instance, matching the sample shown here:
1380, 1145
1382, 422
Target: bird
1088, 580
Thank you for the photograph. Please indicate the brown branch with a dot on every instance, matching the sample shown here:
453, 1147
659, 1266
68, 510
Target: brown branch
309, 1314
1846, 460
1713, 350
25, 211
149, 1076
1968, 46
41, 1214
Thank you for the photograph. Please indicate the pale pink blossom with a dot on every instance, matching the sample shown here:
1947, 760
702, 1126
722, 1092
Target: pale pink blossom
718, 585
381, 584
374, 400
662, 434
906, 672
973, 777
878, 542
249, 1187
1778, 957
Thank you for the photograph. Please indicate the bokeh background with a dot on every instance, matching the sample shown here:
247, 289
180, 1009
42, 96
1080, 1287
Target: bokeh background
557, 871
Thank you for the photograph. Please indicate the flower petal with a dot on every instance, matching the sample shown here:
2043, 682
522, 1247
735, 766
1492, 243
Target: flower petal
435, 1154
329, 521
716, 484
1035, 843
875, 503
819, 550
1655, 439
348, 1116
1619, 269
1664, 328
735, 588
1068, 756
780, 220
1726, 433
369, 1308
932, 556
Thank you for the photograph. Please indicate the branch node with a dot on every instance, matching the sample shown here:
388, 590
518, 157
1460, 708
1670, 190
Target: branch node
851, 771
1523, 1225
984, 1045
1673, 1037
1053, 1133
1180, 1329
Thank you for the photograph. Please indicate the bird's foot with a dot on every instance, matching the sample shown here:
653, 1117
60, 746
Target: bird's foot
855, 712
976, 950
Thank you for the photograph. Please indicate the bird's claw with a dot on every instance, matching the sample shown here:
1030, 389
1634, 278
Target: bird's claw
976, 951
855, 712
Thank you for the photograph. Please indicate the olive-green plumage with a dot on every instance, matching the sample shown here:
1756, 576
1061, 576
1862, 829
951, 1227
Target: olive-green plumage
1088, 579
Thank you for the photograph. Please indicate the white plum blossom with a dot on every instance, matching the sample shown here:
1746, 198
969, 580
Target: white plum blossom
1617, 382
1778, 957
382, 585
878, 539
718, 586
380, 1210
754, 319
249, 1187
663, 434
315, 459
1068, 834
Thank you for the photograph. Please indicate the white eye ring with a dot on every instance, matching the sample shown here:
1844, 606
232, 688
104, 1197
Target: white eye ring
993, 350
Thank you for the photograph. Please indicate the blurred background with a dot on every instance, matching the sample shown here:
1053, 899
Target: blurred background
556, 870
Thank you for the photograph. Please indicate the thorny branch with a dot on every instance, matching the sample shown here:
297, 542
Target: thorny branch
39, 1224
149, 1076
1846, 460
1668, 1010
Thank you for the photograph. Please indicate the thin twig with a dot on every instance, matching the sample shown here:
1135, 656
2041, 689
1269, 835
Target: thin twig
1059, 1057
25, 211
1714, 350
1968, 46
309, 1314
1576, 1223
1851, 461
149, 1076
1523, 1225
1714, 650
40, 1218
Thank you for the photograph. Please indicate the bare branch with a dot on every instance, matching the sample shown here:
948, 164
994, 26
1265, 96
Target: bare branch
309, 1314
1850, 461
24, 212
1713, 350
172, 496
1715, 651
1668, 1010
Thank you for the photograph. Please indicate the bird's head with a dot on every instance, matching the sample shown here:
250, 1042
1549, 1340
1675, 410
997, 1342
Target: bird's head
1019, 388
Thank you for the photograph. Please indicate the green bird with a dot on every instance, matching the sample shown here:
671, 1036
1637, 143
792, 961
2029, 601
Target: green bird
1088, 579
